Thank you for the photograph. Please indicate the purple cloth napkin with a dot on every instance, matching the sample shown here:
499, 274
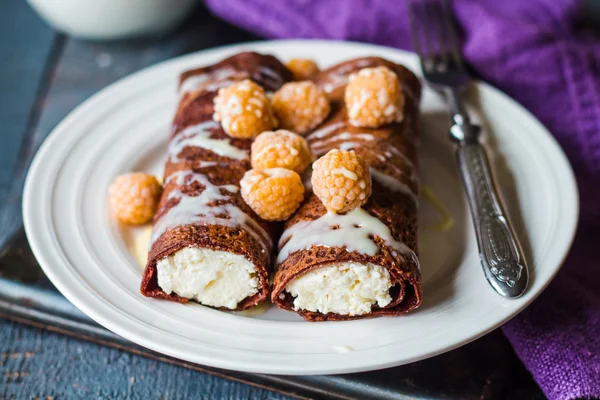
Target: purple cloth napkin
534, 51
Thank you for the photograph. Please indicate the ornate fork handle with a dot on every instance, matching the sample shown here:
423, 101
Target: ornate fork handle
501, 256
436, 40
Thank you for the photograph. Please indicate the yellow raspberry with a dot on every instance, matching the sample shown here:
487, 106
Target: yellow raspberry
244, 110
300, 106
280, 149
373, 97
341, 180
134, 197
302, 68
274, 194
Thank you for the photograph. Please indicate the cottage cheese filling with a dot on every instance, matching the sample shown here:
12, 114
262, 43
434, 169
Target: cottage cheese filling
211, 277
344, 288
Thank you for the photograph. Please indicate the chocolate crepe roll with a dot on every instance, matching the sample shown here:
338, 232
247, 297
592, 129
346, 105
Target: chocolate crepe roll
364, 263
207, 245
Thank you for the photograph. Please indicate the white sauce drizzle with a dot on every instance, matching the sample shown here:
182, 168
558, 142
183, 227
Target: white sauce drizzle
334, 82
339, 77
395, 168
342, 136
412, 172
213, 87
385, 180
197, 210
193, 82
394, 151
393, 184
320, 133
187, 177
274, 76
348, 145
204, 164
199, 136
354, 230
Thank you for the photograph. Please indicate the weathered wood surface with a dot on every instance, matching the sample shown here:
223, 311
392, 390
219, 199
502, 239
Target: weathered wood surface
23, 61
43, 76
39, 364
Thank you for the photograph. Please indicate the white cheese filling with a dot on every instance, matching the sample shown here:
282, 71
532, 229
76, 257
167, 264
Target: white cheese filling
211, 277
347, 288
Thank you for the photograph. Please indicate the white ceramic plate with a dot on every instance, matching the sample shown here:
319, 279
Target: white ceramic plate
125, 128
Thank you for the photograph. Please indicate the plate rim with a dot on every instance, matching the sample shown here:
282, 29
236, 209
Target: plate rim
40, 254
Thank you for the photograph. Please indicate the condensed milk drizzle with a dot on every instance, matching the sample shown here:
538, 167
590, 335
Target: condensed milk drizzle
341, 136
339, 77
200, 209
271, 77
395, 185
352, 231
321, 133
199, 136
194, 82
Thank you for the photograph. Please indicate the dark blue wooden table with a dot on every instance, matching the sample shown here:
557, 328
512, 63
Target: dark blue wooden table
43, 76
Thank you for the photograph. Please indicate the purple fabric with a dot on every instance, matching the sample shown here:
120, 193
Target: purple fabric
534, 51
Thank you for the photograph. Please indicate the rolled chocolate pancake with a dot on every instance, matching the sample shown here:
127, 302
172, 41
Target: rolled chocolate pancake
364, 263
207, 245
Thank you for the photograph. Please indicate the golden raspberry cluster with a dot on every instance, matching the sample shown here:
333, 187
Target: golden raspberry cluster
280, 149
273, 193
134, 197
341, 180
303, 68
244, 110
300, 106
277, 160
373, 97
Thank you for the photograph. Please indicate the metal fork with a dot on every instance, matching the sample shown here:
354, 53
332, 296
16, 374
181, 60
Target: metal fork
436, 41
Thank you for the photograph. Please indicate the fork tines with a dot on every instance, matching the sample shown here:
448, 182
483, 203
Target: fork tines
434, 35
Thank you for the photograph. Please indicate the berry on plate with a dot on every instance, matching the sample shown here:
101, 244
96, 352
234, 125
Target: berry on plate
134, 197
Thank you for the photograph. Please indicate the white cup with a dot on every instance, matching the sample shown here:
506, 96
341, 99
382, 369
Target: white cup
113, 19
